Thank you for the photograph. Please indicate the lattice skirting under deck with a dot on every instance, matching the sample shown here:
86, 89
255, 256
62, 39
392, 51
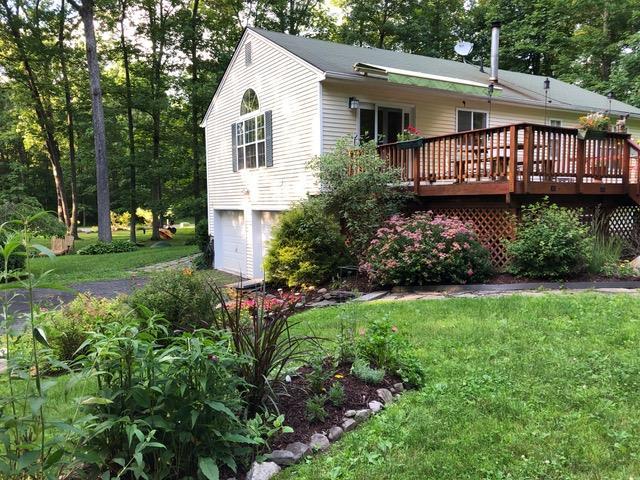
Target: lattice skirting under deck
494, 224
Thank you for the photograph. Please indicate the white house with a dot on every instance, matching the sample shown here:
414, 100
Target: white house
285, 99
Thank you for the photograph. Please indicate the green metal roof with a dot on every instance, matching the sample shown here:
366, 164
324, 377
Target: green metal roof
339, 59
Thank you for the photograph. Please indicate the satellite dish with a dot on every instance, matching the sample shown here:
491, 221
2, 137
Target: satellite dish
463, 48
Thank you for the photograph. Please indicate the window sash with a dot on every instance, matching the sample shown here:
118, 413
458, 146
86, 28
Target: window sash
250, 142
471, 120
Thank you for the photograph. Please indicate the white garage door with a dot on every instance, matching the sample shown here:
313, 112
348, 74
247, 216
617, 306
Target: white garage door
231, 253
265, 221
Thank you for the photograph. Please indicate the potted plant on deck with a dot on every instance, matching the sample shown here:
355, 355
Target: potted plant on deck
594, 126
410, 137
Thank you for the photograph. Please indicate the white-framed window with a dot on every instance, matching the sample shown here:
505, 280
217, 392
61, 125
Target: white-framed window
555, 123
471, 119
251, 135
382, 122
250, 142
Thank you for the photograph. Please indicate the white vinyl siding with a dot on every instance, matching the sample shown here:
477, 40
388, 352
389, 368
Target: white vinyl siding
435, 113
288, 94
289, 89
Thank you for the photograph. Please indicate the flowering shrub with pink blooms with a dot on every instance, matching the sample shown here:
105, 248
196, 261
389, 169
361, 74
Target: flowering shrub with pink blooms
422, 249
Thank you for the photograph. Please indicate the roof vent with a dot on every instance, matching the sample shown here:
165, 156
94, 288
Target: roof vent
247, 54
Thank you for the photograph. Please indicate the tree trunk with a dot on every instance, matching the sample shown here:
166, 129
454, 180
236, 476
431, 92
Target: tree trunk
133, 201
195, 124
73, 220
157, 49
43, 115
97, 113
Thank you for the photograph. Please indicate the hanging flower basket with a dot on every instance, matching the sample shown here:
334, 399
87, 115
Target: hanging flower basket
407, 144
591, 134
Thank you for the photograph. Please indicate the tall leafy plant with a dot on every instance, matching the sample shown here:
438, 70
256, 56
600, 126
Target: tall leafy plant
167, 404
360, 189
33, 444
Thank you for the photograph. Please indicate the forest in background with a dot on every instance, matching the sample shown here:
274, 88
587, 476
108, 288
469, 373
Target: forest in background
152, 67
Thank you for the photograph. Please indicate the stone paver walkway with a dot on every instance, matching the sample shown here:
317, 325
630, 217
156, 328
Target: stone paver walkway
531, 289
441, 292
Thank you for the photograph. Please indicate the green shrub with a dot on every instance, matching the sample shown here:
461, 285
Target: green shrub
179, 296
550, 242
382, 346
422, 249
357, 189
165, 403
362, 370
314, 408
14, 211
306, 248
336, 394
21, 207
101, 248
605, 253
69, 327
318, 375
202, 235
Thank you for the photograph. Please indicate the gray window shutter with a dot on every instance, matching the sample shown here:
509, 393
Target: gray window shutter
234, 148
268, 138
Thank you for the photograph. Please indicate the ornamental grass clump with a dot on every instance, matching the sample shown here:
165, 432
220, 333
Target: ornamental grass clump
422, 249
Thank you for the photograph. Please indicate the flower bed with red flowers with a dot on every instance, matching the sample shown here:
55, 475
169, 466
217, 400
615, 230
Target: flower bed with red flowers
424, 249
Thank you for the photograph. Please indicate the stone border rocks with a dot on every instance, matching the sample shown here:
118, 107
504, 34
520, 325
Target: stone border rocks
320, 441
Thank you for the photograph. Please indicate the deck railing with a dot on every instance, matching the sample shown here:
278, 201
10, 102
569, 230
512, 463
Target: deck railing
520, 158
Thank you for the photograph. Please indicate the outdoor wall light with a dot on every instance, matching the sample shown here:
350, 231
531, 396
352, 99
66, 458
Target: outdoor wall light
354, 103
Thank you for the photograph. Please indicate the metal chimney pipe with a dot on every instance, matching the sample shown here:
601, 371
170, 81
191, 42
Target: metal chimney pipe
495, 47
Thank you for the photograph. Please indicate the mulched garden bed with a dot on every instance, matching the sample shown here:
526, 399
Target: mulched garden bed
292, 403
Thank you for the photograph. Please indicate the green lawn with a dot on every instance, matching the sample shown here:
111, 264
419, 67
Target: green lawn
70, 269
519, 388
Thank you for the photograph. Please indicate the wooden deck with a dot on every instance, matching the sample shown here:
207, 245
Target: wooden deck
519, 159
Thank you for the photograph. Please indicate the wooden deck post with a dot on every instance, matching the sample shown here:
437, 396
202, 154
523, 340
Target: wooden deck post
513, 157
527, 157
416, 170
580, 159
626, 154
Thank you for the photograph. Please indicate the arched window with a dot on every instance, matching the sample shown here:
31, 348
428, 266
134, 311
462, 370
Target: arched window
251, 135
249, 102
